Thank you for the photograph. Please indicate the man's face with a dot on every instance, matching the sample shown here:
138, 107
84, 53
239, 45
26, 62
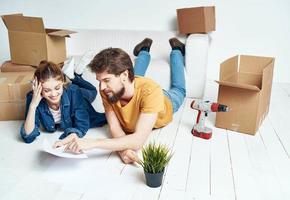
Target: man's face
111, 85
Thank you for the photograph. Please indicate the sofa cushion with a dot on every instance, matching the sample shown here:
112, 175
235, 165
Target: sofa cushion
126, 39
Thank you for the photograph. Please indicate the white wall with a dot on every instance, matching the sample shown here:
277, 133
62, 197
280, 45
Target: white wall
255, 27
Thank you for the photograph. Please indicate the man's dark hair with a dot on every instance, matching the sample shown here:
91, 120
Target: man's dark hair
113, 61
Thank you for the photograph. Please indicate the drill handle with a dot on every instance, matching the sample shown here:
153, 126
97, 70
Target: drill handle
198, 116
200, 120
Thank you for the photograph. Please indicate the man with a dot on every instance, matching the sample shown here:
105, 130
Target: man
134, 105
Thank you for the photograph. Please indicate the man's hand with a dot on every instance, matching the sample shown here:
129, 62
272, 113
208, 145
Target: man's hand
78, 145
65, 141
129, 156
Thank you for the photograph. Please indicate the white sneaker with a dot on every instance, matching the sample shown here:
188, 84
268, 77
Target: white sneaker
84, 61
69, 68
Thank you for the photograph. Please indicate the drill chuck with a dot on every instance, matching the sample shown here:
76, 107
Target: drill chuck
223, 108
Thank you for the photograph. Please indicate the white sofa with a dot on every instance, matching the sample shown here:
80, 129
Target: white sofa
159, 68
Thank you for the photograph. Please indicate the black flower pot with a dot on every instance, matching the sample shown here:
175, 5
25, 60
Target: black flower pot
154, 180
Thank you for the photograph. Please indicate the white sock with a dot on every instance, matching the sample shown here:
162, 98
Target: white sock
69, 67
84, 61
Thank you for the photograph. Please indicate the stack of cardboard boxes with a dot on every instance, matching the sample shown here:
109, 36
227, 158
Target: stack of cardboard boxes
29, 44
245, 81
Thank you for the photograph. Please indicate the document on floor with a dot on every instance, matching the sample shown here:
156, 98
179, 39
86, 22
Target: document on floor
47, 147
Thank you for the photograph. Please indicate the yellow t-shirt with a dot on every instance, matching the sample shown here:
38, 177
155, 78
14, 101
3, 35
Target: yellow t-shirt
148, 98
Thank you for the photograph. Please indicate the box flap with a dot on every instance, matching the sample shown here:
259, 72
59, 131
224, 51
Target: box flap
21, 23
246, 79
4, 16
253, 64
228, 68
238, 85
61, 33
267, 76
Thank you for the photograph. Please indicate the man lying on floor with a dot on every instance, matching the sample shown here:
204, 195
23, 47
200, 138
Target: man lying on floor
134, 105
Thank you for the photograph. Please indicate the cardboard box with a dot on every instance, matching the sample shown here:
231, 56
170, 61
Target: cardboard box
31, 43
196, 20
13, 88
8, 66
245, 86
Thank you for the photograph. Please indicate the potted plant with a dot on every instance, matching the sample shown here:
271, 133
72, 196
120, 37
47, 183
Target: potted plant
155, 158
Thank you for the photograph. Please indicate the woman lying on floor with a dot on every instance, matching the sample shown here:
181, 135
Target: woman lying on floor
56, 107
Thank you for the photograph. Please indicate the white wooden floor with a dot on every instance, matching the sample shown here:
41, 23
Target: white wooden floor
230, 166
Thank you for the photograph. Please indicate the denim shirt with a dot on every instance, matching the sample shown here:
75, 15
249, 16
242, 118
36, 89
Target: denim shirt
74, 116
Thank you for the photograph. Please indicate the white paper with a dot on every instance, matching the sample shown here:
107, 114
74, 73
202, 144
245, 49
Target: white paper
47, 147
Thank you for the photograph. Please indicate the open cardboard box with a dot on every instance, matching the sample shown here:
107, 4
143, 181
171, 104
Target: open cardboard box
14, 87
31, 43
196, 19
245, 86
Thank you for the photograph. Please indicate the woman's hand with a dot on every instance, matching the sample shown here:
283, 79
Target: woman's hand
37, 89
65, 141
29, 123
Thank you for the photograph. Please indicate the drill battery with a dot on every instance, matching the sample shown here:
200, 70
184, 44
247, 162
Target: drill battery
201, 134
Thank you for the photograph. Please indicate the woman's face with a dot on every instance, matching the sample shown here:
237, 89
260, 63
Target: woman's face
52, 90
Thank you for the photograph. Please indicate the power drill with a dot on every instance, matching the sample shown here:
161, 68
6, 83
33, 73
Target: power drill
203, 108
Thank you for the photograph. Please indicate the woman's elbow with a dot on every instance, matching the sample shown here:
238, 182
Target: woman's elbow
27, 139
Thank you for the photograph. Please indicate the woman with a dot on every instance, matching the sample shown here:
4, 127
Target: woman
54, 106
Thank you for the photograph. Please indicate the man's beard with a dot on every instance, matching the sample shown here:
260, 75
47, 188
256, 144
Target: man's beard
115, 97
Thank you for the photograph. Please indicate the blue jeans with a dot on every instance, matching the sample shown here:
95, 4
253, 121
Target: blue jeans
177, 91
89, 93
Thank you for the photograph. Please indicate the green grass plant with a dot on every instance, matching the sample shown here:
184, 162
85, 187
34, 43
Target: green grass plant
155, 157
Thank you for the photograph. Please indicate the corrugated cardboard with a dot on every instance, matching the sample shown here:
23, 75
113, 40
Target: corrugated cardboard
8, 66
31, 43
13, 88
245, 86
196, 19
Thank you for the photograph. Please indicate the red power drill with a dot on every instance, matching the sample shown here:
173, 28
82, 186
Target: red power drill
203, 108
